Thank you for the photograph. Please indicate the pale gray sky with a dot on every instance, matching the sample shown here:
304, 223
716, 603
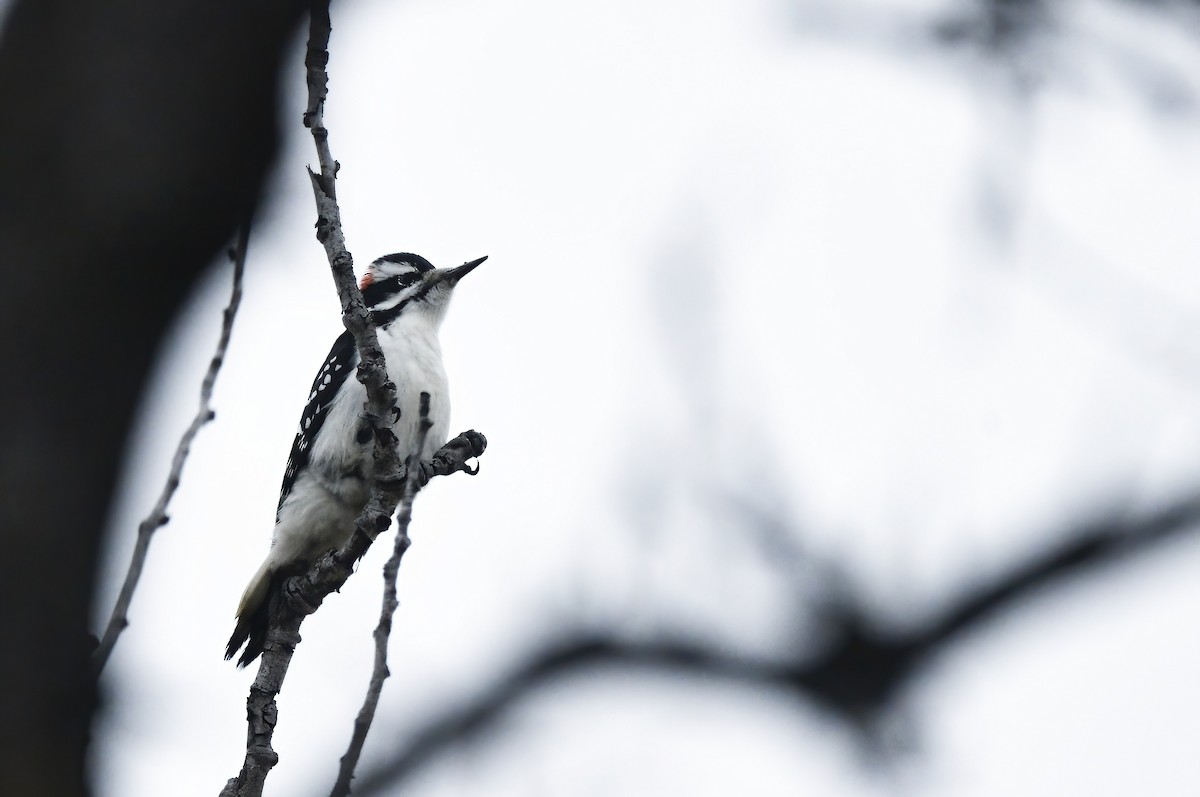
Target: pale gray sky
720, 252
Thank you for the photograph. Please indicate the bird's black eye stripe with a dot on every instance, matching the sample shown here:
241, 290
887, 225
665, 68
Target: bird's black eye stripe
380, 291
376, 292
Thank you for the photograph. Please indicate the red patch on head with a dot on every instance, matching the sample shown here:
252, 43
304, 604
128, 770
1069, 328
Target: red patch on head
367, 279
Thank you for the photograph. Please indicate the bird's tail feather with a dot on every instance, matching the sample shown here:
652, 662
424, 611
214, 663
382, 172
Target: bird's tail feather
252, 616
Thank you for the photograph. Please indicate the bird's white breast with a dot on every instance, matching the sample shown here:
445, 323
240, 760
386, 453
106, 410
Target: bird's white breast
414, 358
414, 363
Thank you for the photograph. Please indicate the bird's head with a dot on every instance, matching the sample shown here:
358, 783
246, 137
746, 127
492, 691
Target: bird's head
404, 284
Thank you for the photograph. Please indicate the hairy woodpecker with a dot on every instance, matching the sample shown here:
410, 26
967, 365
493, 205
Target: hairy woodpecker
325, 482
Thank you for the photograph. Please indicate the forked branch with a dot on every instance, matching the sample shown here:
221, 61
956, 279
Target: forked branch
302, 595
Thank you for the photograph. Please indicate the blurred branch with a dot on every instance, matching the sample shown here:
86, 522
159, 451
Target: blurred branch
1015, 34
1009, 45
1099, 543
158, 515
857, 676
1000, 28
571, 656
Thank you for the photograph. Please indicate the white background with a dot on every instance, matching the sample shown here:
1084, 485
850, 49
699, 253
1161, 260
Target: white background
741, 253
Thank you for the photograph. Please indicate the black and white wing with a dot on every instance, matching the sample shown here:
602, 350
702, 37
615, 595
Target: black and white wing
342, 360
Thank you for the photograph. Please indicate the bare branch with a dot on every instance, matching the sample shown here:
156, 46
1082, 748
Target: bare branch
383, 631
316, 61
287, 610
158, 515
303, 594
857, 676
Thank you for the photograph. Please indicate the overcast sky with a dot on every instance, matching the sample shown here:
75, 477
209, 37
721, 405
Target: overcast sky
733, 247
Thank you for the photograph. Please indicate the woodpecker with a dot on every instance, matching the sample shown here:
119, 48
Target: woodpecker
325, 481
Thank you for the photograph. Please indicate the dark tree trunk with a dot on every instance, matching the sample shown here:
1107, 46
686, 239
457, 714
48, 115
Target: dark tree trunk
133, 137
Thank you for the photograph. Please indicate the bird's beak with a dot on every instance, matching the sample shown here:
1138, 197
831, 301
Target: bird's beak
453, 275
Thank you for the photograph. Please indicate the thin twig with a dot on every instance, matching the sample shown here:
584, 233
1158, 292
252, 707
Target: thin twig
383, 631
158, 515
